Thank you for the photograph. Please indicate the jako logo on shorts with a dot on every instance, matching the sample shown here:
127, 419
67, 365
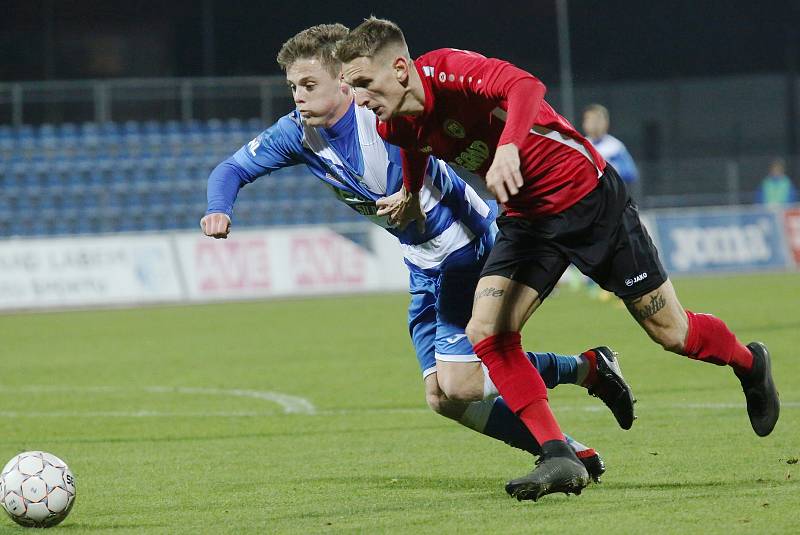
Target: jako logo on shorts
638, 278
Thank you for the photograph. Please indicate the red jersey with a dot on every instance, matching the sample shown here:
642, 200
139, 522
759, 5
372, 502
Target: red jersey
468, 99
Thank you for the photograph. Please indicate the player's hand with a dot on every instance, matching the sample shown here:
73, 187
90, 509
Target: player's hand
504, 177
402, 208
216, 225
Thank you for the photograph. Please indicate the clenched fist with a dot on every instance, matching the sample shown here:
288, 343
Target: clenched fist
216, 225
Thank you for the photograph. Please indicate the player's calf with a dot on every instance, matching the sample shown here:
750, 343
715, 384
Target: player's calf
661, 316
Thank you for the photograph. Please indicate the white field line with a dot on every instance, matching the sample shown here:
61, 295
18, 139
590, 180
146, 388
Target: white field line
288, 404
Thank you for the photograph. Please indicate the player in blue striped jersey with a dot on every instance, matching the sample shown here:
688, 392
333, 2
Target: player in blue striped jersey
338, 142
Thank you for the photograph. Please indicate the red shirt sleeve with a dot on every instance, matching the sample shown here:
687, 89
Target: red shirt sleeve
400, 132
517, 91
415, 164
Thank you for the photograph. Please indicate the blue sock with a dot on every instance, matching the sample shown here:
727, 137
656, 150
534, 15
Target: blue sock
504, 425
493, 418
555, 369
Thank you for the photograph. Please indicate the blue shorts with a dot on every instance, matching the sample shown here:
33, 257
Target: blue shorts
441, 304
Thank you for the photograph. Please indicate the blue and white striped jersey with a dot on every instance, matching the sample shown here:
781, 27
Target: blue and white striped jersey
360, 167
614, 152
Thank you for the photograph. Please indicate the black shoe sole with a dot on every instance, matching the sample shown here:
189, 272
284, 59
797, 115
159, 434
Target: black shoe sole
534, 491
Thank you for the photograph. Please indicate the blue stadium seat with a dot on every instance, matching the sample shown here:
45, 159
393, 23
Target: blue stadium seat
93, 175
67, 130
172, 126
131, 127
234, 125
193, 126
214, 125
151, 127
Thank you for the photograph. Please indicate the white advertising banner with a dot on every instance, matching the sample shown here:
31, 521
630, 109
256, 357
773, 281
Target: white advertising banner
66, 272
83, 271
289, 262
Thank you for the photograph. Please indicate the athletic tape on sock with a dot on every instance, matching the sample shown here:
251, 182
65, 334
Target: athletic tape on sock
489, 389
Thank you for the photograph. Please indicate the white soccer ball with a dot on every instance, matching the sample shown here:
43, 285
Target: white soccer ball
37, 489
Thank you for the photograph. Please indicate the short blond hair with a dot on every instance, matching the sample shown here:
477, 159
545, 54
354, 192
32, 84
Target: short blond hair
368, 38
316, 42
597, 108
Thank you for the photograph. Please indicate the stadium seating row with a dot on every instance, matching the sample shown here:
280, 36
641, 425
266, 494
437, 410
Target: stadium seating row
66, 130
72, 179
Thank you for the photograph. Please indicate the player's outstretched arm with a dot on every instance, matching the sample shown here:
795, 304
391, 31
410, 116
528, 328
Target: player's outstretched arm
224, 184
273, 149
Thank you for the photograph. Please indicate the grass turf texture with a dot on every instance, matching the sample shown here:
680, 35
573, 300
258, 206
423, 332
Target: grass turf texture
375, 459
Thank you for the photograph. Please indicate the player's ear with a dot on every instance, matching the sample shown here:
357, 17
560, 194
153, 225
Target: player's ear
401, 66
343, 87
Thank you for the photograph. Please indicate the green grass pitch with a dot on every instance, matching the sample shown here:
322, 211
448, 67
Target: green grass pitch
162, 415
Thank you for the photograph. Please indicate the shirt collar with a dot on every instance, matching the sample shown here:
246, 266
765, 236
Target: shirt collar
427, 87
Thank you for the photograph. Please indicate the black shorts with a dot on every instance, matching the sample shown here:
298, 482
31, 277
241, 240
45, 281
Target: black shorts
601, 235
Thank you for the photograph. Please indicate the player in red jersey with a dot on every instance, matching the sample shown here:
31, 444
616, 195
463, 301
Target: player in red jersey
562, 204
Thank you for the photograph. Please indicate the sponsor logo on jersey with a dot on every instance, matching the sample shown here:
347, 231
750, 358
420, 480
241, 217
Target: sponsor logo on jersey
362, 205
472, 158
638, 278
455, 338
454, 129
253, 145
427, 149
442, 77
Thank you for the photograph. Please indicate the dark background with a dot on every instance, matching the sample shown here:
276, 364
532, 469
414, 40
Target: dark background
611, 40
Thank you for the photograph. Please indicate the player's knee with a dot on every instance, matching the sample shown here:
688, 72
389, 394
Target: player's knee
462, 393
462, 387
440, 404
478, 329
436, 401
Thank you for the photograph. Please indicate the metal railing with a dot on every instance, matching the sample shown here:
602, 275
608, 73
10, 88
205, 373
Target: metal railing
674, 176
141, 99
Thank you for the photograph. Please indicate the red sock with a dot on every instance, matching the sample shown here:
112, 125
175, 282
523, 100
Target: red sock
591, 377
710, 340
519, 383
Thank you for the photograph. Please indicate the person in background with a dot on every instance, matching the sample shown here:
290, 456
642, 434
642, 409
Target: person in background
596, 121
595, 126
777, 188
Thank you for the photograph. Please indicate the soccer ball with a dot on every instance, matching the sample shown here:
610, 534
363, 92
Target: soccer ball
37, 489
